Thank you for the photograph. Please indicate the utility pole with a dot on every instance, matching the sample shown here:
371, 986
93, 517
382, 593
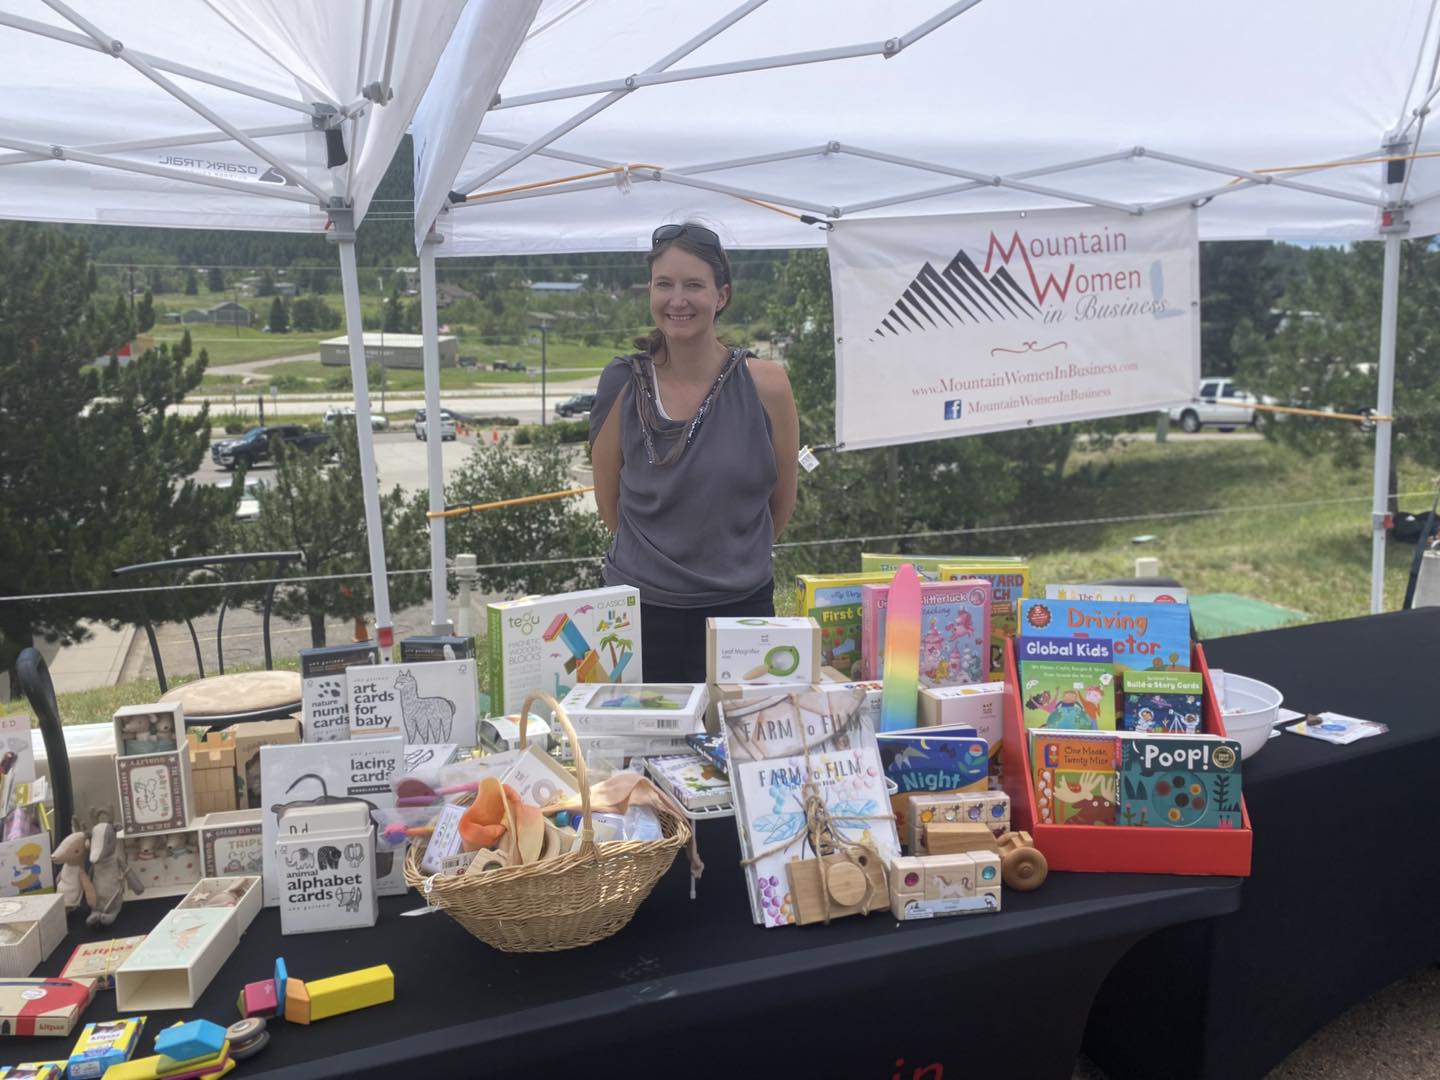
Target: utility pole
132, 297
544, 320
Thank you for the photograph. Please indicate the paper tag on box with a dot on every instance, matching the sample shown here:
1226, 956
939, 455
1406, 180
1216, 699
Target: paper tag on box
445, 841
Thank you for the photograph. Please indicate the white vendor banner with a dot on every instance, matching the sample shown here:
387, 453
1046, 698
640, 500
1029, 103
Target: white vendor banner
962, 324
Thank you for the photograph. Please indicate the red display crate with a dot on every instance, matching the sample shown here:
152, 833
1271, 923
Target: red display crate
1119, 849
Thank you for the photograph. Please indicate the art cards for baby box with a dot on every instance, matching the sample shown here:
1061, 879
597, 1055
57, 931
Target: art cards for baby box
430, 702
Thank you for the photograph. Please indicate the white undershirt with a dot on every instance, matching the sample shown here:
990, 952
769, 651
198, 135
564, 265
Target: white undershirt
659, 405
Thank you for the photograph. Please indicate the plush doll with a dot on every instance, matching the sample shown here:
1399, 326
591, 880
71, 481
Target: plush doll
109, 873
72, 882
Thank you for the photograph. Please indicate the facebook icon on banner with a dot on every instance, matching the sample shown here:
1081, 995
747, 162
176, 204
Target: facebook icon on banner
952, 409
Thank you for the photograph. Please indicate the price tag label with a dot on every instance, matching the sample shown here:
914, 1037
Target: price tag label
808, 461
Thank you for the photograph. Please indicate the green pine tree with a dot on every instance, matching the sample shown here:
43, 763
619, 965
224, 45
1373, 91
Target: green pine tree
192, 283
216, 280
145, 313
279, 318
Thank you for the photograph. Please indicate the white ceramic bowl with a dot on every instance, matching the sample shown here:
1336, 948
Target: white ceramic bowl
1258, 706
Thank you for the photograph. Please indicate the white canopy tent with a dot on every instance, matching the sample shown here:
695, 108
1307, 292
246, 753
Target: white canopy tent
219, 114
1279, 119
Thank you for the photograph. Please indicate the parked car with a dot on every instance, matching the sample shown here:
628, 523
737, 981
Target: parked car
378, 422
507, 365
258, 444
579, 405
447, 425
249, 506
1219, 403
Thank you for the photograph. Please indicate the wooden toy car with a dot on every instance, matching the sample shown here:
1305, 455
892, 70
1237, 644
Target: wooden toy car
1022, 865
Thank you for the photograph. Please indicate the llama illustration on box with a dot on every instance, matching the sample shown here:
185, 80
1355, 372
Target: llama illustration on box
433, 702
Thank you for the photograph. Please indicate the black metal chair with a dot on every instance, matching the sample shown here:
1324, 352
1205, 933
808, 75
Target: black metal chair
39, 690
220, 700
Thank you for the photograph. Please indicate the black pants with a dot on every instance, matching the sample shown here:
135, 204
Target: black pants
672, 640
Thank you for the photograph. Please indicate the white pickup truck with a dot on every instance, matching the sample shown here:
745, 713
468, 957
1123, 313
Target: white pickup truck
1220, 404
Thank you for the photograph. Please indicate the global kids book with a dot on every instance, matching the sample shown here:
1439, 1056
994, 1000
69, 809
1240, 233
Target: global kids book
1180, 781
1145, 637
840, 627
1076, 775
1067, 683
931, 761
833, 590
555, 643
954, 631
1163, 702
1009, 584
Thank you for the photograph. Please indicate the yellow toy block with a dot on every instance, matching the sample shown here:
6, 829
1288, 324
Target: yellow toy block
159, 1067
297, 1002
353, 990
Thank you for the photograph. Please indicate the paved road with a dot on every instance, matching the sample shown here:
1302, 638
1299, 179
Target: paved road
524, 404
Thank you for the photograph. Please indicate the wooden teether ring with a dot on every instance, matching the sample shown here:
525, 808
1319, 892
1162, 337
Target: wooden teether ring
847, 884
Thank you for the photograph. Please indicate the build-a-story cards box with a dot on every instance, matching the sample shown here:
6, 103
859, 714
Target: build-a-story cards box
432, 702
762, 650
322, 774
322, 687
553, 644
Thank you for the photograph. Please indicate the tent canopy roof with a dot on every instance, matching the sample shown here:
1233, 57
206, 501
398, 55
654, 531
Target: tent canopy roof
975, 91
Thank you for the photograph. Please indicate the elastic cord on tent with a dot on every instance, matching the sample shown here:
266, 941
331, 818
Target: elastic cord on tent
1382, 159
1290, 410
523, 500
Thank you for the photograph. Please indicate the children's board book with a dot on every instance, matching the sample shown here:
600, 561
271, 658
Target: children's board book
428, 702
554, 643
322, 687
323, 774
780, 720
1009, 583
1135, 594
1144, 636
1180, 781
770, 816
840, 631
954, 631
930, 761
694, 781
1163, 702
711, 748
1067, 683
931, 567
1076, 775
834, 590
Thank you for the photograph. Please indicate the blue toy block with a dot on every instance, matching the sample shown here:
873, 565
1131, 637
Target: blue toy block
281, 974
186, 1042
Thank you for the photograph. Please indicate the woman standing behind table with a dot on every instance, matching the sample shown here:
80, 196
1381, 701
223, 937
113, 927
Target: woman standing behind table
694, 445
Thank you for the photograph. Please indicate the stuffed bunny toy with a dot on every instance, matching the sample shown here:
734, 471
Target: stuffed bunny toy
109, 873
72, 882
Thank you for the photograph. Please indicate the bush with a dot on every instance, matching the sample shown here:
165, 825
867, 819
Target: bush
493, 421
553, 434
234, 427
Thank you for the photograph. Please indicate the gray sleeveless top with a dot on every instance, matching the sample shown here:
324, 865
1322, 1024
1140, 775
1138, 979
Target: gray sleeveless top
696, 532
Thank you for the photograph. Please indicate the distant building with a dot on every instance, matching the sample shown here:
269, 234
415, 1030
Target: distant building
447, 294
287, 288
389, 350
227, 314
543, 287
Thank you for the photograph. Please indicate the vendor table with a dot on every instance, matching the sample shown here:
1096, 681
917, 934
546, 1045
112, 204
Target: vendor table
1342, 901
692, 988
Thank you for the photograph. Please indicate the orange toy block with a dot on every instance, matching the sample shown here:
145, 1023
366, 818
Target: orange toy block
297, 1002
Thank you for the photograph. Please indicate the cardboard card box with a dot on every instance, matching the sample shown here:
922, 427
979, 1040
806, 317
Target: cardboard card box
320, 774
669, 709
322, 687
433, 702
762, 650
177, 960
43, 1006
418, 648
148, 729
555, 643
980, 705
30, 928
100, 959
249, 739
230, 843
156, 791
103, 1044
240, 895
326, 870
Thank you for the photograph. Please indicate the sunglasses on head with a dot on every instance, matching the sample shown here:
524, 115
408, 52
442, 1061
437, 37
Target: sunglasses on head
698, 233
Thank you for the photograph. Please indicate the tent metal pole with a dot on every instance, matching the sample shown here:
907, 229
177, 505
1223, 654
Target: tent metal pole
434, 444
70, 37
61, 153
1262, 178
117, 49
1384, 429
729, 189
171, 140
622, 89
343, 235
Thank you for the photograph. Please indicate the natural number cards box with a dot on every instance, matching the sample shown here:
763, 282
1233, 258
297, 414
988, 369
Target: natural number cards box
554, 643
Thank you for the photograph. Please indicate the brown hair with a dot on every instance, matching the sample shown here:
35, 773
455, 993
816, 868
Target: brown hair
713, 257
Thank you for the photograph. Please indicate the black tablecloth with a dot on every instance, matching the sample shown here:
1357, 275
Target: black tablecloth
695, 987
1343, 897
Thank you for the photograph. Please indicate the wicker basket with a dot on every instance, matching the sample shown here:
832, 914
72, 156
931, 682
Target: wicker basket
565, 902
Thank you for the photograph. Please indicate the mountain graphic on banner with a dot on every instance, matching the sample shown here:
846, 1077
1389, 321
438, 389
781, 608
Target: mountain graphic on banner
958, 294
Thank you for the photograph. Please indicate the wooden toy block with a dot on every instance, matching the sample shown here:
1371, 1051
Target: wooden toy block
297, 1002
195, 1039
923, 887
951, 838
160, 1067
350, 991
282, 976
990, 808
848, 885
259, 999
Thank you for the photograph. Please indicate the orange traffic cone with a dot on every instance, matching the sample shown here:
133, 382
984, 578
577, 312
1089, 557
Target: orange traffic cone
362, 632
494, 436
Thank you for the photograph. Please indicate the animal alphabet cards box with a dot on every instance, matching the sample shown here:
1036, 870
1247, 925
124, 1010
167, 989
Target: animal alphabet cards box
431, 702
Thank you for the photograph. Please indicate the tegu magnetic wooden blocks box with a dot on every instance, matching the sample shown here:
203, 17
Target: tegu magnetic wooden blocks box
924, 887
